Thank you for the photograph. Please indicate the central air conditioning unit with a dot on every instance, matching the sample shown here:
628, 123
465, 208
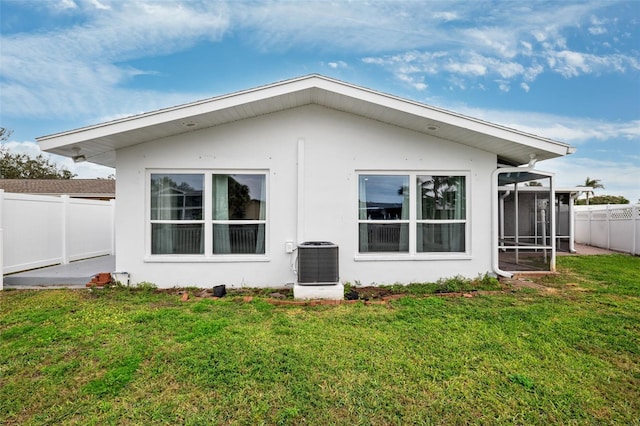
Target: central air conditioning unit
317, 263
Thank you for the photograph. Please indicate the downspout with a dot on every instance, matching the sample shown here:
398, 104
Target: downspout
291, 247
1, 241
495, 263
516, 226
501, 215
552, 208
300, 195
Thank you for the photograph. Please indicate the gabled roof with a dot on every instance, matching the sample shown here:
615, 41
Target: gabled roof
98, 143
79, 188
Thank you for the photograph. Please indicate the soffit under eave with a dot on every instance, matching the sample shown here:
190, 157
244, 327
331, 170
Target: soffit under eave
103, 150
413, 116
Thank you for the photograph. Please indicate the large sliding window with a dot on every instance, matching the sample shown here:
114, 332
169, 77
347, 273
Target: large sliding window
208, 214
412, 213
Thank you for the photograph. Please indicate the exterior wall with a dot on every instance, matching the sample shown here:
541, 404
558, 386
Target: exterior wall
334, 147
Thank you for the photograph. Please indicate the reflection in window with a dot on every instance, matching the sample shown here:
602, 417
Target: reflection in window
174, 238
383, 213
239, 213
176, 196
441, 215
412, 213
176, 214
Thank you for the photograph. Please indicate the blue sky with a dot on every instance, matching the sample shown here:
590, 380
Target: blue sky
565, 70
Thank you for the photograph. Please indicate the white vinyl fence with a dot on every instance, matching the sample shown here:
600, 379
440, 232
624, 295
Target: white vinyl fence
39, 230
614, 227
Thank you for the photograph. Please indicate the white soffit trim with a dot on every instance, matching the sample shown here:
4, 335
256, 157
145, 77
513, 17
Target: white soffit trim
98, 142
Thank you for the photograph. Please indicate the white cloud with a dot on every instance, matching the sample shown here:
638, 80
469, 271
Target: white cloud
525, 87
571, 130
337, 64
66, 4
99, 5
598, 26
418, 84
497, 40
446, 16
597, 30
618, 178
68, 72
572, 64
531, 72
515, 46
468, 68
503, 85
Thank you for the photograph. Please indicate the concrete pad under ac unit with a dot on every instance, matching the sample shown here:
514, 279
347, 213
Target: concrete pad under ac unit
327, 292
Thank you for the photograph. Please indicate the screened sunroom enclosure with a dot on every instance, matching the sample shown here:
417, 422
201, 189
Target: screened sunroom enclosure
526, 221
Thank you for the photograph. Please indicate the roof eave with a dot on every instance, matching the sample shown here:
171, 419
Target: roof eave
311, 89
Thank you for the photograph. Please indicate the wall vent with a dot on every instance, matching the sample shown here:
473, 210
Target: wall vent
317, 263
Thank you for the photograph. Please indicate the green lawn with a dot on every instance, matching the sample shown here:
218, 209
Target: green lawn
568, 354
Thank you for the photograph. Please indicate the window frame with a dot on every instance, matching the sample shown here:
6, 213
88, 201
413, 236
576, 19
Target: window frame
207, 219
240, 222
413, 254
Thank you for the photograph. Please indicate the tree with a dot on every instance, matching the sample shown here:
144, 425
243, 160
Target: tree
592, 183
23, 166
5, 134
605, 199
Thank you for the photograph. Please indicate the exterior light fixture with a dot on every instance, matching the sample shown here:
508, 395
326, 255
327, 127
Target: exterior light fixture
78, 158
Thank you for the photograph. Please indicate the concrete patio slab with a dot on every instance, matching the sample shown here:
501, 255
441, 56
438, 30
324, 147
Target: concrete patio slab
585, 250
74, 274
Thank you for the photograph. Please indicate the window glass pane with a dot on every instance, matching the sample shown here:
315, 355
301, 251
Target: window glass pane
239, 197
238, 239
441, 197
383, 237
174, 238
436, 237
384, 197
176, 196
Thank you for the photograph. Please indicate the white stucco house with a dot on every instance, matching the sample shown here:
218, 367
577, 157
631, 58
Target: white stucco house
222, 191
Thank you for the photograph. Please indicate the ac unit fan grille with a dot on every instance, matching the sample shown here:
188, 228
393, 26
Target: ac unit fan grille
317, 263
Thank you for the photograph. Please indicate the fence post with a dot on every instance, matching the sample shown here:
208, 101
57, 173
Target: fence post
65, 229
635, 216
112, 204
1, 241
589, 224
608, 227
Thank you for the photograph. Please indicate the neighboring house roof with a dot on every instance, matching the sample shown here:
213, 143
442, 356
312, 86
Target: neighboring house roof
98, 143
78, 188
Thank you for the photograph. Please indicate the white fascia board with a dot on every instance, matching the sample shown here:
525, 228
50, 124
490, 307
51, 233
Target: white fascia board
186, 111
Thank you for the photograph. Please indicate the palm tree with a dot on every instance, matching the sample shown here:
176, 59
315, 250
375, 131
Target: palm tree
592, 183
